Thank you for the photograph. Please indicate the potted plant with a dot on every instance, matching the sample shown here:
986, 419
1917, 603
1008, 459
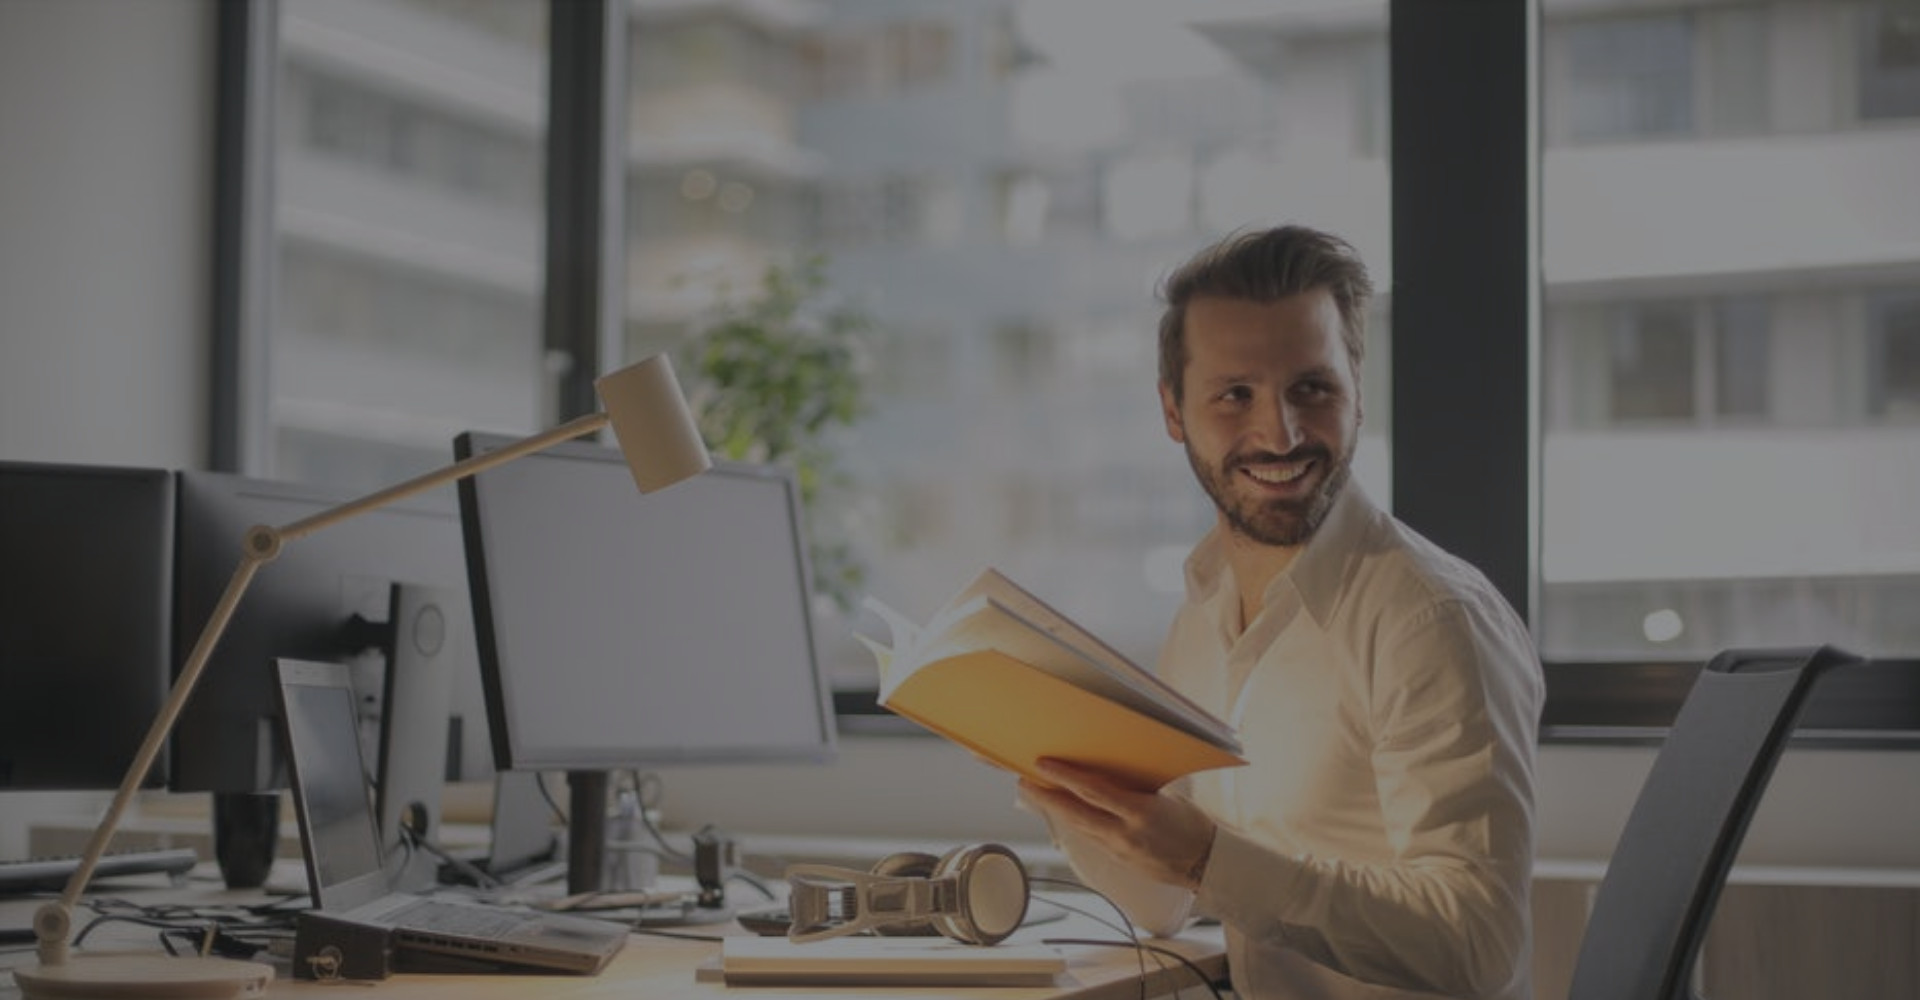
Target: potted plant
770, 377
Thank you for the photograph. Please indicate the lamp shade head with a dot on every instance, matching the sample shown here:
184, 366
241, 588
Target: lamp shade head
652, 423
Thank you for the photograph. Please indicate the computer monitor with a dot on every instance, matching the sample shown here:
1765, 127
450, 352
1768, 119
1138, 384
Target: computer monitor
86, 564
327, 597
620, 630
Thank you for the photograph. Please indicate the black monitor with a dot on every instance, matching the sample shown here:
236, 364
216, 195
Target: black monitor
329, 596
86, 563
620, 630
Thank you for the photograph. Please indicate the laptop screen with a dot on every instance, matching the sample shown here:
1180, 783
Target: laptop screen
330, 787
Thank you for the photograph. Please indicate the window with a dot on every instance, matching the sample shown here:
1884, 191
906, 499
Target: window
351, 122
1673, 362
1723, 330
1000, 190
1715, 381
409, 262
851, 58
1624, 78
1742, 358
1894, 358
1889, 56
1650, 360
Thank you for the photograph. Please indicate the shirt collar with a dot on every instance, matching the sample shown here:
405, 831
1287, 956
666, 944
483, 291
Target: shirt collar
1318, 574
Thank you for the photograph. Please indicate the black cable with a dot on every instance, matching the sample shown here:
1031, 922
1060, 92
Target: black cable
404, 850
754, 880
112, 918
1127, 931
227, 919
540, 782
646, 788
1198, 973
465, 867
288, 903
682, 935
640, 785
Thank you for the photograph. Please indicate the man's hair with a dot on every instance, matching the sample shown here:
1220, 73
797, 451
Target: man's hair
1265, 266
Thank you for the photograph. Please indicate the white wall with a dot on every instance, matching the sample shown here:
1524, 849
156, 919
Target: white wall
105, 152
105, 160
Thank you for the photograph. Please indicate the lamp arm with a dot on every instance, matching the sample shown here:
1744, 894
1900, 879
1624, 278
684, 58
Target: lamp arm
53, 922
574, 428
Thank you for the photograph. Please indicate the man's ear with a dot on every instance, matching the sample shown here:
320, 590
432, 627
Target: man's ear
1170, 411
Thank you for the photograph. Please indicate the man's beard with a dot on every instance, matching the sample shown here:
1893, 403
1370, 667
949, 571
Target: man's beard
1274, 522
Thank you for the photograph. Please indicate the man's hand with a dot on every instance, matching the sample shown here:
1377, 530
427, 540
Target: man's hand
1163, 836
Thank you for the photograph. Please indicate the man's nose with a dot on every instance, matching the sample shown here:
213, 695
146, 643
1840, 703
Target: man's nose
1280, 423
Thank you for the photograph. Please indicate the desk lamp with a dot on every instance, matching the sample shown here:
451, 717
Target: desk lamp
657, 437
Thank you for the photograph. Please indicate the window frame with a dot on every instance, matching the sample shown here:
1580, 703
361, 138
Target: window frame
1474, 320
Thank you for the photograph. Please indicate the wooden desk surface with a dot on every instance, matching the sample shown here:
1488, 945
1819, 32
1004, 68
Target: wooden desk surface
661, 968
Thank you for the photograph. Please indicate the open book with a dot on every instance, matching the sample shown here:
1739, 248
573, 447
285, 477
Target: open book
1006, 676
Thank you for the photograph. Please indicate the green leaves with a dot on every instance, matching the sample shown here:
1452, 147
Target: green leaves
773, 376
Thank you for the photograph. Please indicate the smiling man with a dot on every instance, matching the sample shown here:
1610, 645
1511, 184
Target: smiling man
1380, 841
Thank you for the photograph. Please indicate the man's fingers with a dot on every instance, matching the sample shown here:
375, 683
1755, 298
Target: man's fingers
1066, 806
1092, 786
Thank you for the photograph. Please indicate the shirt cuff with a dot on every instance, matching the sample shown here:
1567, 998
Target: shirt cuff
1248, 884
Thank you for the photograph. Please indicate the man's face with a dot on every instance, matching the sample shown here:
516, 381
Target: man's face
1271, 412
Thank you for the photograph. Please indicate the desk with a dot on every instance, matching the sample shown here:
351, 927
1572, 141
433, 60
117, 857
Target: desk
659, 968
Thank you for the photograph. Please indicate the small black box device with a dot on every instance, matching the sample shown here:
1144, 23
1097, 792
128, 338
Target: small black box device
326, 948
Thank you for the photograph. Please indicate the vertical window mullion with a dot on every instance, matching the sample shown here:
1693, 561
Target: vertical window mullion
585, 297
247, 58
1465, 281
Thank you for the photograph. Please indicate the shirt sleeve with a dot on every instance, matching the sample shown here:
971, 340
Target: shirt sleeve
1454, 703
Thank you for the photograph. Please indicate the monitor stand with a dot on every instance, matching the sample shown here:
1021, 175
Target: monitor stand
587, 859
423, 642
586, 831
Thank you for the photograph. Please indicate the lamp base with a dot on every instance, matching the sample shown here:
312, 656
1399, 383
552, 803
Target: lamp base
109, 977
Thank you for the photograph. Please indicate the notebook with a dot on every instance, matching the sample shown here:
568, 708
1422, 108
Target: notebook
353, 885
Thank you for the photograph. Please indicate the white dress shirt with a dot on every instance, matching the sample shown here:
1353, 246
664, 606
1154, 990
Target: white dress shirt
1380, 841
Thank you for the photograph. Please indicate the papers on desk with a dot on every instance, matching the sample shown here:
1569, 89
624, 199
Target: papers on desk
883, 961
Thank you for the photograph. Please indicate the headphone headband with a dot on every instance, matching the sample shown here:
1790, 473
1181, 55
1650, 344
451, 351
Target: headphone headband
976, 894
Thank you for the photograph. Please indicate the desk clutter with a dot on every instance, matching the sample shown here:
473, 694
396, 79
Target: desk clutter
1050, 955
972, 897
372, 631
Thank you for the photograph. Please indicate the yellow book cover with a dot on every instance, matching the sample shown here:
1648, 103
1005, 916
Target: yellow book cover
1003, 674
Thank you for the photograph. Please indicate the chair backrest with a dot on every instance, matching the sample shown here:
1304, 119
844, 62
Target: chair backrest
1660, 887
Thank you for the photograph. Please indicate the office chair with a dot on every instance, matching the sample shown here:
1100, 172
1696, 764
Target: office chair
1657, 897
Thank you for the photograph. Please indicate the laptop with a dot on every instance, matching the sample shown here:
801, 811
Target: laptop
353, 884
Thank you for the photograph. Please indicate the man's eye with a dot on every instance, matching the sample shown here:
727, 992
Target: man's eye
1237, 394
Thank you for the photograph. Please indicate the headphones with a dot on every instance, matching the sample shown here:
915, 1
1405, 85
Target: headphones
974, 894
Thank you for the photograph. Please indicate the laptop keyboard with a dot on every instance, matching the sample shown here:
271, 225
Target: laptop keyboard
456, 918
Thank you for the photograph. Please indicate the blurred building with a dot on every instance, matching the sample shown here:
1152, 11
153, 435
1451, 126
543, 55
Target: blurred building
1730, 357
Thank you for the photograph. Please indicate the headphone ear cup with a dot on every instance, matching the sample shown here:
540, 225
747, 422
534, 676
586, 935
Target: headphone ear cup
907, 864
990, 892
